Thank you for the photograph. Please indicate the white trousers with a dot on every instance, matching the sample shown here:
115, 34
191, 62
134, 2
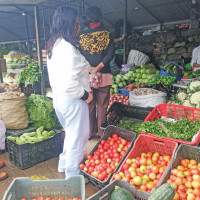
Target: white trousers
73, 115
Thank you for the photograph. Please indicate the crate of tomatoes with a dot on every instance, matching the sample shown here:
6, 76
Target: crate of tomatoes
26, 189
184, 173
146, 163
107, 156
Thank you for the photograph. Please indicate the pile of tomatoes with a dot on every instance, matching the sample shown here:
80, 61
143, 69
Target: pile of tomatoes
185, 178
106, 157
143, 172
48, 198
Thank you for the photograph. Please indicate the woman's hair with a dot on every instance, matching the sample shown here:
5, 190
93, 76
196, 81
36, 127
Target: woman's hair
64, 25
94, 14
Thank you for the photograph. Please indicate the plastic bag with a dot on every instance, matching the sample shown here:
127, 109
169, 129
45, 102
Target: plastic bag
2, 135
149, 100
137, 57
95, 79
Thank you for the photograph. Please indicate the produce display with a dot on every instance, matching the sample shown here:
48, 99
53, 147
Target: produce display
145, 91
11, 94
165, 191
10, 87
144, 171
133, 86
190, 98
165, 80
121, 193
29, 75
172, 69
185, 178
146, 74
48, 198
130, 125
118, 98
32, 137
41, 112
190, 74
16, 63
183, 129
106, 158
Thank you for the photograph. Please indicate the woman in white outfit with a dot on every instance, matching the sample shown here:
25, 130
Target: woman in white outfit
69, 79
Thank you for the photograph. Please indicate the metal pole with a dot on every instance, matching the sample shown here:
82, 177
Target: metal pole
83, 7
1, 76
125, 20
39, 52
27, 34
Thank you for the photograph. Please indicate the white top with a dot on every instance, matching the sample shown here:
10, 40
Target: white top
195, 56
68, 70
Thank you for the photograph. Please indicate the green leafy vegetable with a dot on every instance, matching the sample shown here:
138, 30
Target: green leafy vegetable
41, 112
29, 75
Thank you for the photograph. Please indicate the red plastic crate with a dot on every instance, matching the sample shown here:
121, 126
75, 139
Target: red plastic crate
175, 112
145, 144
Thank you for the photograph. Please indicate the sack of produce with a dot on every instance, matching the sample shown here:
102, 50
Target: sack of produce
147, 97
13, 110
2, 135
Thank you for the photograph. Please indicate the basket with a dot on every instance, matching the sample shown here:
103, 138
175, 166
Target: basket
145, 144
161, 76
105, 193
183, 152
128, 135
175, 112
11, 132
119, 111
28, 155
31, 89
29, 189
166, 74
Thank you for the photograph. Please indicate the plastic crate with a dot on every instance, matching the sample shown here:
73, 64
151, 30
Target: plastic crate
128, 135
105, 193
124, 92
29, 189
11, 132
31, 89
175, 112
183, 152
145, 144
119, 111
28, 155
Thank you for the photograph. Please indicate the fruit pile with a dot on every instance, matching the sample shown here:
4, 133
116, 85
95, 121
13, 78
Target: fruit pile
185, 178
106, 157
118, 98
144, 172
48, 198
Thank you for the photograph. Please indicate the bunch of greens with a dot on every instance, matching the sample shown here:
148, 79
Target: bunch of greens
29, 75
130, 125
184, 129
41, 112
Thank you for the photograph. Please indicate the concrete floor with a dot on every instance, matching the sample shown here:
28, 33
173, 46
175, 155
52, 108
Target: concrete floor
47, 168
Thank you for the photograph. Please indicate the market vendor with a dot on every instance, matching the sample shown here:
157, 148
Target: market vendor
195, 62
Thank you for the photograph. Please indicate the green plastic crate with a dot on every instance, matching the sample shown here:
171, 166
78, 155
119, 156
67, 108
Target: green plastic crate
29, 189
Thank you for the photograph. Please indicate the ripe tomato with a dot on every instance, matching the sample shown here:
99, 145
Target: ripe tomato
182, 188
185, 162
194, 171
179, 181
143, 188
143, 161
23, 198
193, 162
150, 185
41, 198
196, 184
48, 198
183, 195
180, 168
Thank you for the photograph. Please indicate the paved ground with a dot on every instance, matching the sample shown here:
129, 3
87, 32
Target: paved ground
47, 169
